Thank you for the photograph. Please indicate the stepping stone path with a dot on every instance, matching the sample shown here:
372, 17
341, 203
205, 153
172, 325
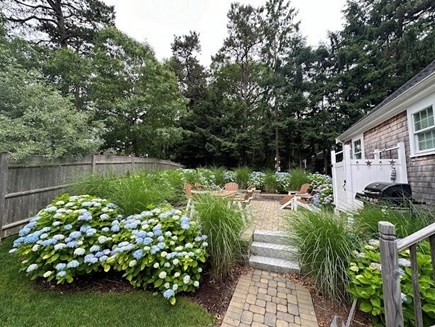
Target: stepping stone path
263, 297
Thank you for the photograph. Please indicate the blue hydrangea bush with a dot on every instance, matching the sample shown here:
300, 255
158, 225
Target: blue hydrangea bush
160, 249
322, 185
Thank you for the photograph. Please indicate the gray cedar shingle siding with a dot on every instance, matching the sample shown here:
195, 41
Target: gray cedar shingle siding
421, 170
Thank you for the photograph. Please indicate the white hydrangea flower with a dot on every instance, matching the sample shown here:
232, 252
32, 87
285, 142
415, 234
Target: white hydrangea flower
167, 234
199, 270
156, 265
179, 248
166, 285
132, 263
43, 236
80, 243
59, 237
177, 274
79, 251
59, 246
47, 274
175, 287
102, 239
35, 248
60, 203
162, 275
196, 283
171, 243
146, 248
163, 254
186, 279
176, 261
13, 250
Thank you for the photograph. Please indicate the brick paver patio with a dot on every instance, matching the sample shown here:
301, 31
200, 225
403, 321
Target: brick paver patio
264, 298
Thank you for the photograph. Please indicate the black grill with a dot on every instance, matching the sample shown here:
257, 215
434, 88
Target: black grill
394, 193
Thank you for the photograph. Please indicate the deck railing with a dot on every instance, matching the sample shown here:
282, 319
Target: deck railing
390, 247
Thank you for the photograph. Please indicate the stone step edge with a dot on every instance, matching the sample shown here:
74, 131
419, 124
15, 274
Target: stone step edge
274, 246
273, 264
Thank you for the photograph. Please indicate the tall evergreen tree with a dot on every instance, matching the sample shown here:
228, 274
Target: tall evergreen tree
59, 23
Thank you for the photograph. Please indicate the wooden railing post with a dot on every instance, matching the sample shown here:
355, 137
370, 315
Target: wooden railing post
390, 275
94, 164
4, 163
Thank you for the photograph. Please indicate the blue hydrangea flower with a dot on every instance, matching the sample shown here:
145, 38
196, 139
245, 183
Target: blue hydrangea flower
73, 264
161, 245
71, 244
115, 228
160, 239
105, 229
103, 258
138, 254
139, 240
67, 227
94, 248
90, 258
75, 235
60, 266
147, 241
85, 228
104, 216
111, 206
91, 232
168, 294
61, 273
24, 231
50, 241
85, 216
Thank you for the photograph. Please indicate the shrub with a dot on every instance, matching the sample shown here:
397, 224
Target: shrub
322, 184
256, 179
242, 177
219, 176
270, 181
324, 244
282, 182
223, 224
298, 177
159, 249
366, 283
229, 176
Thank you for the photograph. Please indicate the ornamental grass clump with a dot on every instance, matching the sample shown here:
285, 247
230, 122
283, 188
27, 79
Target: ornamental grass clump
298, 177
325, 244
159, 249
269, 181
242, 177
223, 223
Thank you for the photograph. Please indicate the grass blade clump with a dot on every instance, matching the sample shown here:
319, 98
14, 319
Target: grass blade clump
132, 193
406, 221
270, 182
223, 224
298, 177
242, 177
325, 243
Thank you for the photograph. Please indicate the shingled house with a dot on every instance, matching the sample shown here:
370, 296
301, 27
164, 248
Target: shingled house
405, 117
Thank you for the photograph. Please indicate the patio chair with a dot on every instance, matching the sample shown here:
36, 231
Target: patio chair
302, 192
231, 186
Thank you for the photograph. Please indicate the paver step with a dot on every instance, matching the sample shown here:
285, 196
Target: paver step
273, 264
271, 250
269, 236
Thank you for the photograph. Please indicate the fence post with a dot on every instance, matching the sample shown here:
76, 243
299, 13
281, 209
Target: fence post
390, 275
334, 177
4, 162
347, 166
94, 163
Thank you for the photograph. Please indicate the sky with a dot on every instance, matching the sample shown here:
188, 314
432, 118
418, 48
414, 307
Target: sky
157, 21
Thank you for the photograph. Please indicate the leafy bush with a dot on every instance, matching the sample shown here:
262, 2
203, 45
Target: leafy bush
223, 224
242, 177
270, 181
325, 243
159, 249
219, 176
298, 177
229, 176
256, 179
366, 283
322, 184
282, 182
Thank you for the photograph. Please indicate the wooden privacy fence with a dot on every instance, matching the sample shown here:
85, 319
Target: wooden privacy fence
390, 247
29, 186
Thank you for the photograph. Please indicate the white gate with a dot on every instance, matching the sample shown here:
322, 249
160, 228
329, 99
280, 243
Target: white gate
350, 176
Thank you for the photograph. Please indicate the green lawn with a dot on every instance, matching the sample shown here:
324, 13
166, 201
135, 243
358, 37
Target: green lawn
23, 303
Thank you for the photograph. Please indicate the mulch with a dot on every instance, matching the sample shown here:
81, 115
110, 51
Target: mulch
327, 309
